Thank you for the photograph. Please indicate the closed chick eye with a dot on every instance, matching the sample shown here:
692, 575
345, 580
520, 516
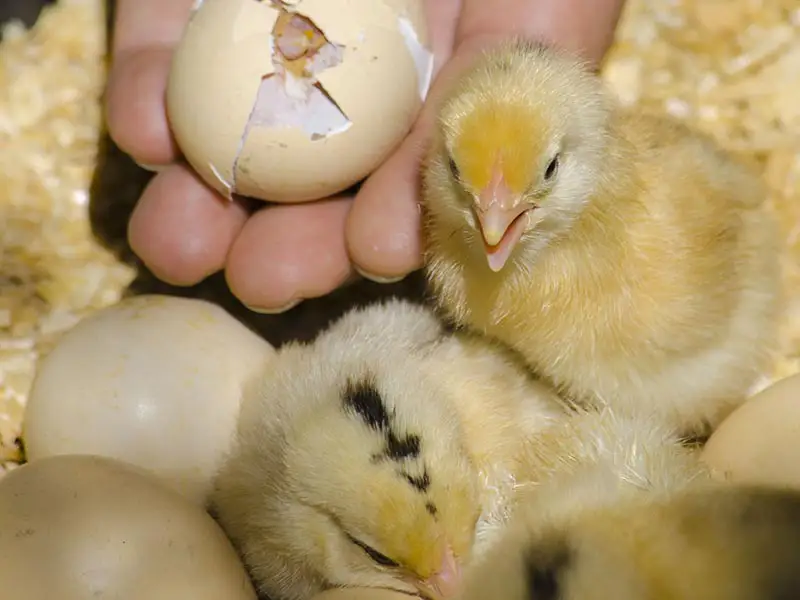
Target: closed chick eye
376, 556
552, 168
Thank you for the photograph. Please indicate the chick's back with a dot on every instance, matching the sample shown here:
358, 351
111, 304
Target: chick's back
714, 543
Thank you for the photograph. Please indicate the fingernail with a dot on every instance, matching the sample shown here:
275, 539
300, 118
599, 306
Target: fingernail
273, 311
378, 278
152, 168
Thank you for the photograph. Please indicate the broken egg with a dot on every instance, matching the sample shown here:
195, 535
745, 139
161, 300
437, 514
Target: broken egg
296, 101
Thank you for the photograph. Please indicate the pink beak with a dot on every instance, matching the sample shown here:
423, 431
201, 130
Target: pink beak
502, 218
446, 581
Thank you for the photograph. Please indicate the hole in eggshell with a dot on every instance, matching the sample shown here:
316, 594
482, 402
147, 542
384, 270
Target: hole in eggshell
292, 96
316, 113
296, 38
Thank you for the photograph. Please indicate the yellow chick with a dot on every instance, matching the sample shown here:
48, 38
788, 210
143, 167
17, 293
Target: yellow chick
711, 543
600, 458
611, 506
628, 259
372, 457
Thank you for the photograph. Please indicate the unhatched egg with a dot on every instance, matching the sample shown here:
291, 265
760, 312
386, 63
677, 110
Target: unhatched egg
295, 101
80, 527
154, 380
759, 443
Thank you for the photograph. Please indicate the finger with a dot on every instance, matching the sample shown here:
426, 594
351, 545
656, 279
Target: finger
442, 16
143, 24
145, 32
181, 229
582, 26
135, 107
382, 229
288, 253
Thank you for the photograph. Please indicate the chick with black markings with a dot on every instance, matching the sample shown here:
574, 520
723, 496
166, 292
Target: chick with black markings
715, 542
380, 456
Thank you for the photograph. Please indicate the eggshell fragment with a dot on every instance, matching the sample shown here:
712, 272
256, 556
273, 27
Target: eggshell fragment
81, 527
154, 380
759, 443
244, 135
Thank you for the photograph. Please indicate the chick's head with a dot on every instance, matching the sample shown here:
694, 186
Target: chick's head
519, 148
379, 490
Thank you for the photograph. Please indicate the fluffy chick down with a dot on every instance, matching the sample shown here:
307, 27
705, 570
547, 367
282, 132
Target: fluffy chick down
714, 542
613, 506
393, 454
378, 456
628, 259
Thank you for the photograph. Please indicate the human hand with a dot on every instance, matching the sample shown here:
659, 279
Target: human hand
282, 254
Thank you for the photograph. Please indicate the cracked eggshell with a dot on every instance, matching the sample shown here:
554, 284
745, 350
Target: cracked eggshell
79, 527
153, 380
215, 75
759, 443
379, 85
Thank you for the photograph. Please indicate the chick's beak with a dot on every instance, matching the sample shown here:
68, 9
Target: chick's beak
445, 582
501, 215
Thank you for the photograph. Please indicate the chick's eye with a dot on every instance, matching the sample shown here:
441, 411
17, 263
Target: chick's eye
376, 556
552, 168
454, 169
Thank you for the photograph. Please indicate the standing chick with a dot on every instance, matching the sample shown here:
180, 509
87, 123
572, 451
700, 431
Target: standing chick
711, 543
373, 457
629, 260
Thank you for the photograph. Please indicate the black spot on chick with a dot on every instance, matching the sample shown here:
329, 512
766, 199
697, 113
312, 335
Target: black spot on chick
431, 508
767, 523
398, 448
420, 482
786, 587
545, 568
363, 398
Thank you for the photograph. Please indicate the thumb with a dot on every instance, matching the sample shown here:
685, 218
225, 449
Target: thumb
383, 227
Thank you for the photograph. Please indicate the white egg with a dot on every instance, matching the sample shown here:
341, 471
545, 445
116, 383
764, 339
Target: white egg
82, 527
295, 101
154, 380
759, 443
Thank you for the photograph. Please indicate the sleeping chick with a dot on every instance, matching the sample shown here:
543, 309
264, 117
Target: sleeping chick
611, 506
630, 261
371, 457
712, 543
